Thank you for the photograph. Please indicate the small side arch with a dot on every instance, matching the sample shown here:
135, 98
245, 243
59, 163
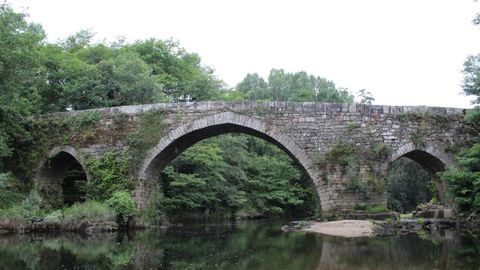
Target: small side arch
51, 171
432, 159
179, 139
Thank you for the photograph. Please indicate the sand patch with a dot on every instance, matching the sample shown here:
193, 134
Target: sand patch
344, 228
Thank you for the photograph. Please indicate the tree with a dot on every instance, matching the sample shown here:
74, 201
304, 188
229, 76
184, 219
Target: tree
128, 80
285, 86
182, 75
471, 79
19, 65
69, 81
254, 87
464, 179
365, 97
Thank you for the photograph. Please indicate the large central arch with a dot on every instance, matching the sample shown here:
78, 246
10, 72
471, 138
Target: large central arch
181, 138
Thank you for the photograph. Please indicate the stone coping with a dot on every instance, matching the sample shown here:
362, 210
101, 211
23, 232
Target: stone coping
284, 107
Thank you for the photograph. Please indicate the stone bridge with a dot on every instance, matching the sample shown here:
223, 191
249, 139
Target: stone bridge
345, 149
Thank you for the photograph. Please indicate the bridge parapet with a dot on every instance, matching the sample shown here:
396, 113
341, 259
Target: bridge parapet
281, 106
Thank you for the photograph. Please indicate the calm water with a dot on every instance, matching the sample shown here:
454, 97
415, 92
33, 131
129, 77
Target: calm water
250, 245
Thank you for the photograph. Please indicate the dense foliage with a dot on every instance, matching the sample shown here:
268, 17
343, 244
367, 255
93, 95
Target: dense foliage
465, 180
407, 185
238, 176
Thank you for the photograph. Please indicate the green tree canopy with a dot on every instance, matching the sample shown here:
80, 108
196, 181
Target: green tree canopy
285, 86
19, 65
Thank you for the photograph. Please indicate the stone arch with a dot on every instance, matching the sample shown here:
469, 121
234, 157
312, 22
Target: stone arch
179, 139
432, 159
51, 171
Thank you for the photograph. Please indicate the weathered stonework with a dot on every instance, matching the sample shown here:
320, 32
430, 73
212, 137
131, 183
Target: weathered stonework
306, 131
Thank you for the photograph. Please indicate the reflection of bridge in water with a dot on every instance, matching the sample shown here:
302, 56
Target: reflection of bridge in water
372, 136
251, 245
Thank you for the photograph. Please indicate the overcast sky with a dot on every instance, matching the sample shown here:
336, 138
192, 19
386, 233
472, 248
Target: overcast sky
405, 52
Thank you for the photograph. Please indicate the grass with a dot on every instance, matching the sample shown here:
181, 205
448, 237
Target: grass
83, 214
30, 217
376, 208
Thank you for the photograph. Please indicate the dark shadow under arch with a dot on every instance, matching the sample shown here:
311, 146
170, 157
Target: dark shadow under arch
49, 180
428, 161
432, 161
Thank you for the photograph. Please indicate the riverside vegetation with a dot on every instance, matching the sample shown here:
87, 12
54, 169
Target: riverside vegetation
232, 176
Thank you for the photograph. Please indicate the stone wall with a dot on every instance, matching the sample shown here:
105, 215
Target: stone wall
344, 148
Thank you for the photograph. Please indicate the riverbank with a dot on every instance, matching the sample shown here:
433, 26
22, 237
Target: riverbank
370, 228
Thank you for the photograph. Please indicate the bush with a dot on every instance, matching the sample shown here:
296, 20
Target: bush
123, 205
354, 185
464, 180
33, 201
342, 153
54, 217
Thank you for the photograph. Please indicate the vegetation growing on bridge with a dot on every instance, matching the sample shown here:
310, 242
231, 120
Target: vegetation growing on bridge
110, 174
145, 136
350, 158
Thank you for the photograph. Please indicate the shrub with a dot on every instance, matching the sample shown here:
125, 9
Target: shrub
122, 203
33, 201
54, 217
342, 153
379, 152
464, 180
354, 185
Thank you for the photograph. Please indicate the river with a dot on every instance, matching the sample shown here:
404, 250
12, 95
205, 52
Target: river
245, 245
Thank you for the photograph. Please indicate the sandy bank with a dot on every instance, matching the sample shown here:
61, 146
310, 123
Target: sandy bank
344, 228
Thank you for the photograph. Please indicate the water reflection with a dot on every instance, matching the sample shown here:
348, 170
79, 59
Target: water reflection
251, 245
